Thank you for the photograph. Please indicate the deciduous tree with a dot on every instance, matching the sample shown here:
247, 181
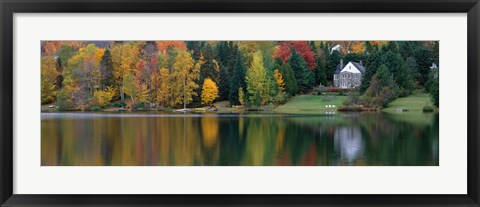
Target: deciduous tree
163, 91
257, 84
124, 58
279, 80
184, 76
209, 91
49, 74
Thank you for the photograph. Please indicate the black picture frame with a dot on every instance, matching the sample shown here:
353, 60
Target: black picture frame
10, 7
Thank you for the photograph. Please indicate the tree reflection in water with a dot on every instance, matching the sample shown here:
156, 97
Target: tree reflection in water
239, 140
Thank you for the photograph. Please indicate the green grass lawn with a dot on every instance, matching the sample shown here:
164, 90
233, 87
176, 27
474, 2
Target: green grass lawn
310, 104
414, 103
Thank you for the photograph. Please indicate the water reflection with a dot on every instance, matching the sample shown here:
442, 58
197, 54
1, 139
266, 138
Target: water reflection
238, 140
348, 140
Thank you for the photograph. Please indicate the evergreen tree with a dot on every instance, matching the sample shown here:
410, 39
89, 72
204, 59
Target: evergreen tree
390, 46
374, 60
355, 57
59, 77
319, 71
291, 86
224, 83
412, 67
407, 48
382, 89
63, 55
368, 47
303, 75
333, 61
434, 50
433, 86
422, 56
385, 77
106, 69
195, 47
232, 55
237, 80
223, 51
208, 68
401, 73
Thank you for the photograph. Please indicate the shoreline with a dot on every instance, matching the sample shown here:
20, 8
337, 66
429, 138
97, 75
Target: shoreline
302, 104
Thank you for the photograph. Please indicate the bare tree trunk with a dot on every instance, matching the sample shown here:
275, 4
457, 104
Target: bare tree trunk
122, 97
133, 103
184, 85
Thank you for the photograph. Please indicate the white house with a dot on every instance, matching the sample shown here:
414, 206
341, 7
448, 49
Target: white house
337, 48
348, 76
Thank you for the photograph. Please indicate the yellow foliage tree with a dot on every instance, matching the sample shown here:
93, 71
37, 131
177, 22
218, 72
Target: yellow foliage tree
257, 83
124, 58
279, 80
103, 97
49, 74
209, 91
185, 73
163, 90
137, 91
82, 76
357, 47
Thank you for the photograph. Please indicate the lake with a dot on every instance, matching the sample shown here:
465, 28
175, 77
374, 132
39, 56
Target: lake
261, 139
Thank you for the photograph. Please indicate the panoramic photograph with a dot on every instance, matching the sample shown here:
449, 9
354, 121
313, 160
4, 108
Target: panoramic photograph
240, 103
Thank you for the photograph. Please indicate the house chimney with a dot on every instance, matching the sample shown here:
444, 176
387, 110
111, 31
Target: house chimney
341, 64
361, 63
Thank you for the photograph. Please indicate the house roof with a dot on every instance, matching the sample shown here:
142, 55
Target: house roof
357, 65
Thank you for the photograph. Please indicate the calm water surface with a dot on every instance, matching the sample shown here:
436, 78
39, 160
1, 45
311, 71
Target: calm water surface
98, 139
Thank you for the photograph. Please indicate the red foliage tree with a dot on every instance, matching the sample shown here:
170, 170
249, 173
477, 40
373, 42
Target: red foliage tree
283, 51
306, 52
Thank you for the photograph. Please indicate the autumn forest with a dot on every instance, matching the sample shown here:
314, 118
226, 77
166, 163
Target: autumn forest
162, 75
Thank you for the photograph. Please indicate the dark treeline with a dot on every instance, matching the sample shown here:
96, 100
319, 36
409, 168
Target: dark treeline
86, 75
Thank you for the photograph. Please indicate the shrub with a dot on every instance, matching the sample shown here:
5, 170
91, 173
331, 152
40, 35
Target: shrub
353, 99
280, 98
138, 106
96, 108
428, 109
338, 90
319, 90
119, 104
63, 100
434, 92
